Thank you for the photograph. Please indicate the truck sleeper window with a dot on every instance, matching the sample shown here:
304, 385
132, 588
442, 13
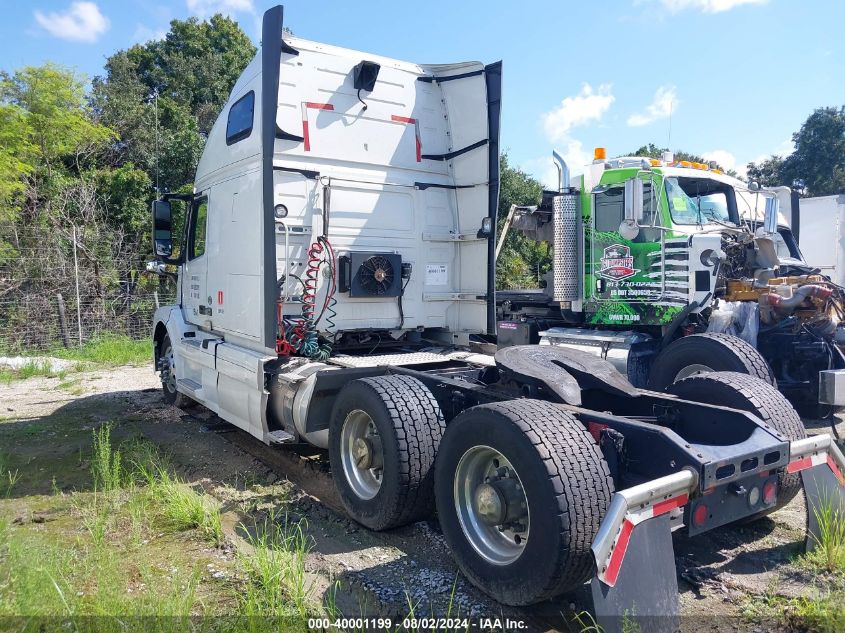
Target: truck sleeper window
239, 123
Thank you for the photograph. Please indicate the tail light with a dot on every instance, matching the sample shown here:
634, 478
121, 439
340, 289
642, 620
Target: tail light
699, 515
770, 492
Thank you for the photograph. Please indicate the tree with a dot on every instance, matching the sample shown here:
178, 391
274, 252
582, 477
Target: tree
51, 99
768, 172
182, 81
522, 261
16, 159
819, 156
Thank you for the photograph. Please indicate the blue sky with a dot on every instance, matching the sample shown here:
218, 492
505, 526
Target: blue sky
739, 76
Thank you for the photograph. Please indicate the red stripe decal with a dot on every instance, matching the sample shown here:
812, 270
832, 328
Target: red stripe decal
402, 119
305, 139
615, 564
670, 504
419, 150
319, 106
799, 464
836, 471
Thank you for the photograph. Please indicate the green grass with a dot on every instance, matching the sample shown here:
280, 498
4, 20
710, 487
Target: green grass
183, 508
111, 350
829, 546
8, 477
170, 503
31, 369
819, 614
277, 584
107, 350
134, 543
825, 614
77, 579
106, 464
136, 546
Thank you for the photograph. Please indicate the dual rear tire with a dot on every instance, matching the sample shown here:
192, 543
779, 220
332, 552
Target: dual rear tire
520, 486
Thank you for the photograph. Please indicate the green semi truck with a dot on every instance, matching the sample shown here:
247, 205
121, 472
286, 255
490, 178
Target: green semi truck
670, 268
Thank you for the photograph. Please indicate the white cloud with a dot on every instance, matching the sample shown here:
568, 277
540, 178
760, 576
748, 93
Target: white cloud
588, 105
706, 6
205, 8
82, 22
664, 102
723, 157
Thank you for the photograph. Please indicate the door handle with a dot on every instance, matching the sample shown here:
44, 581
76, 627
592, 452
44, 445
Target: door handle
205, 310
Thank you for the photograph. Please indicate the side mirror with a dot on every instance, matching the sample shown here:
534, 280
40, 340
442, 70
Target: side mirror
634, 200
630, 228
162, 228
770, 219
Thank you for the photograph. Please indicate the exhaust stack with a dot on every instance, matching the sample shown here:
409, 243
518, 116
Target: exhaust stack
567, 244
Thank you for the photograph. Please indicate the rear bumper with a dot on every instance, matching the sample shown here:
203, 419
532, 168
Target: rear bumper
636, 578
684, 491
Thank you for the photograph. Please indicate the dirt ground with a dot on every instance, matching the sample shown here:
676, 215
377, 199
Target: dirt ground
726, 572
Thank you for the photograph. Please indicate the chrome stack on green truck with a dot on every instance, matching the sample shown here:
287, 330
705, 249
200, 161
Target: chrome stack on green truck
670, 268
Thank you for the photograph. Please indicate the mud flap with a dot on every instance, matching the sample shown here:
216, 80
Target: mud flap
822, 469
642, 593
637, 601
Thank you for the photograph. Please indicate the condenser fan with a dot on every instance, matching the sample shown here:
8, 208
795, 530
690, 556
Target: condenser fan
377, 275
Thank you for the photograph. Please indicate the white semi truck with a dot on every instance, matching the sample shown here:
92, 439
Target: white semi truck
335, 273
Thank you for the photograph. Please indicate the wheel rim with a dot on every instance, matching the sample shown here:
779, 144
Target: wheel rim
168, 373
692, 370
362, 454
491, 505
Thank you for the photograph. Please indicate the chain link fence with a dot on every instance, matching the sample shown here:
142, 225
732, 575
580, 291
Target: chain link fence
63, 286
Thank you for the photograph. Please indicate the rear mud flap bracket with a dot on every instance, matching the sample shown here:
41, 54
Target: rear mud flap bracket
636, 586
649, 603
822, 469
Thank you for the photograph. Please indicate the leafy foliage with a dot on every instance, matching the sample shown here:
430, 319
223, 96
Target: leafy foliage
767, 172
78, 171
522, 262
817, 165
183, 81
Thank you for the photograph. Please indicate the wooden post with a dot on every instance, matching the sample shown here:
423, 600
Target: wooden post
76, 275
63, 319
155, 296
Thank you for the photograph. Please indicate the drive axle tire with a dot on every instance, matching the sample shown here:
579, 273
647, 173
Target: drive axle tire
168, 377
383, 436
701, 353
747, 393
521, 489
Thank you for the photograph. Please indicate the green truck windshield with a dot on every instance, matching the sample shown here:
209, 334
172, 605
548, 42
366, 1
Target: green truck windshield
689, 206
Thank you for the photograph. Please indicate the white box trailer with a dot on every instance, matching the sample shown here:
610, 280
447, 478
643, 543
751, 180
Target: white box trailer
822, 235
336, 281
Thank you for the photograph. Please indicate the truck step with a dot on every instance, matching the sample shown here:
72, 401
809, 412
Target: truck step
186, 385
280, 437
